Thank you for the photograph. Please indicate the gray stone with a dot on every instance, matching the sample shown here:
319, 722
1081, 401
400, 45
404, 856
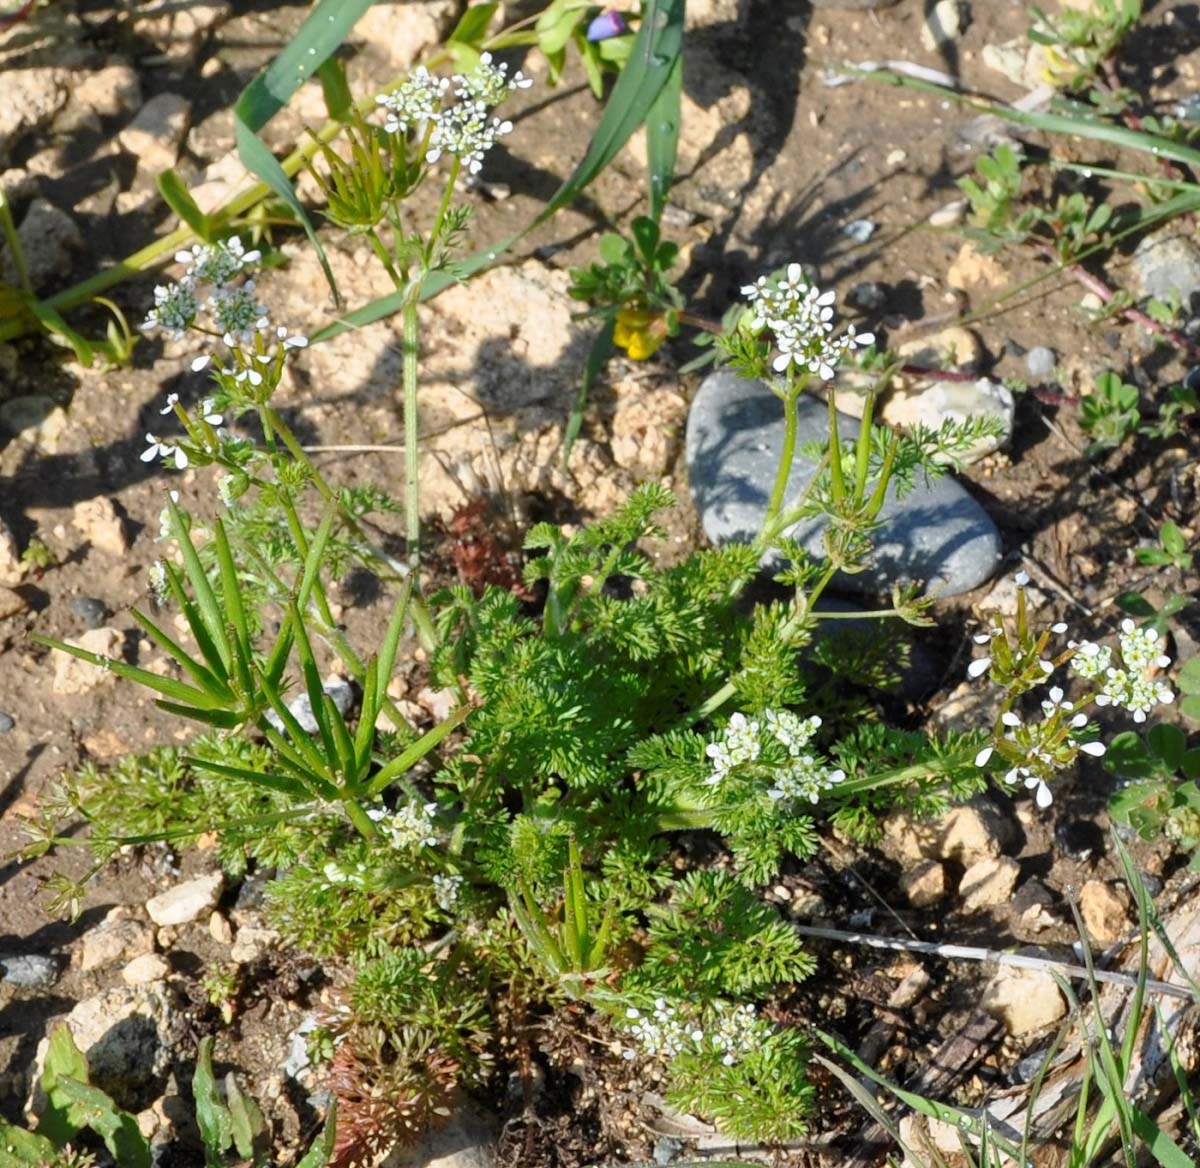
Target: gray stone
30, 971
113, 90
859, 230
91, 611
118, 938
937, 533
50, 240
338, 688
1040, 361
869, 295
156, 133
6, 722
31, 98
12, 569
1168, 267
125, 1035
666, 1149
467, 1141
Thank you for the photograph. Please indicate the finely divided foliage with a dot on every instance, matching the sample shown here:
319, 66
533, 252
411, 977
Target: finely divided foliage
632, 752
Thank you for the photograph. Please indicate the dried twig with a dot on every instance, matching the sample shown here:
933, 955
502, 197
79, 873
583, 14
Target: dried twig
974, 953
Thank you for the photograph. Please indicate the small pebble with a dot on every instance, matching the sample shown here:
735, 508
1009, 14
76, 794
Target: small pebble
30, 971
951, 215
1192, 380
1040, 361
666, 1149
6, 722
859, 230
91, 611
869, 295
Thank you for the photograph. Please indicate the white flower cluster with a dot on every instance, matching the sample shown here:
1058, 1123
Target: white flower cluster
1132, 685
791, 730
663, 1033
804, 777
177, 305
735, 1031
418, 99
731, 1032
800, 317
407, 827
446, 890
739, 744
464, 129
1038, 751
236, 315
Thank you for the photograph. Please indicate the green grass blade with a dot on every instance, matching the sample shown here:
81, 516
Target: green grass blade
655, 52
662, 138
1160, 1145
1082, 125
298, 746
167, 686
283, 784
315, 41
176, 195
206, 598
314, 688
217, 719
417, 751
203, 677
231, 595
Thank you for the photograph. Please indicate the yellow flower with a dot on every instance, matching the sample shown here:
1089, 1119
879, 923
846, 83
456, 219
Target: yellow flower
639, 332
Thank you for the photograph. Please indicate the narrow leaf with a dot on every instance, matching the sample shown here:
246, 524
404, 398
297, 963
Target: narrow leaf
662, 138
318, 37
212, 1116
179, 199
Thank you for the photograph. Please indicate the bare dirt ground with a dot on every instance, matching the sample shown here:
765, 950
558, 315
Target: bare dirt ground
774, 164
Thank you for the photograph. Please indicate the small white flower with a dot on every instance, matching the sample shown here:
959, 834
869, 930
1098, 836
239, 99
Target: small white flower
174, 310
165, 451
416, 101
169, 408
216, 263
446, 890
209, 413
983, 757
979, 667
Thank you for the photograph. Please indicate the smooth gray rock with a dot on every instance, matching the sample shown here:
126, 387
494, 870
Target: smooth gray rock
1168, 267
301, 709
30, 971
1040, 361
936, 534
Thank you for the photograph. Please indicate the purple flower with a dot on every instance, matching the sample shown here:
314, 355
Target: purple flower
610, 23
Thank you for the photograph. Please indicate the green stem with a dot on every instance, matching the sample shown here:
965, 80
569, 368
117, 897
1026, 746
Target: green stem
837, 475
786, 456
273, 423
360, 819
412, 450
443, 207
384, 257
9, 228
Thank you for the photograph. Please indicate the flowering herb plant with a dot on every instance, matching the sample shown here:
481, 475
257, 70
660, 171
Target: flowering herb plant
627, 760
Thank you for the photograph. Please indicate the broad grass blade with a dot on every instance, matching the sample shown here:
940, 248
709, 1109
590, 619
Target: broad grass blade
318, 37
